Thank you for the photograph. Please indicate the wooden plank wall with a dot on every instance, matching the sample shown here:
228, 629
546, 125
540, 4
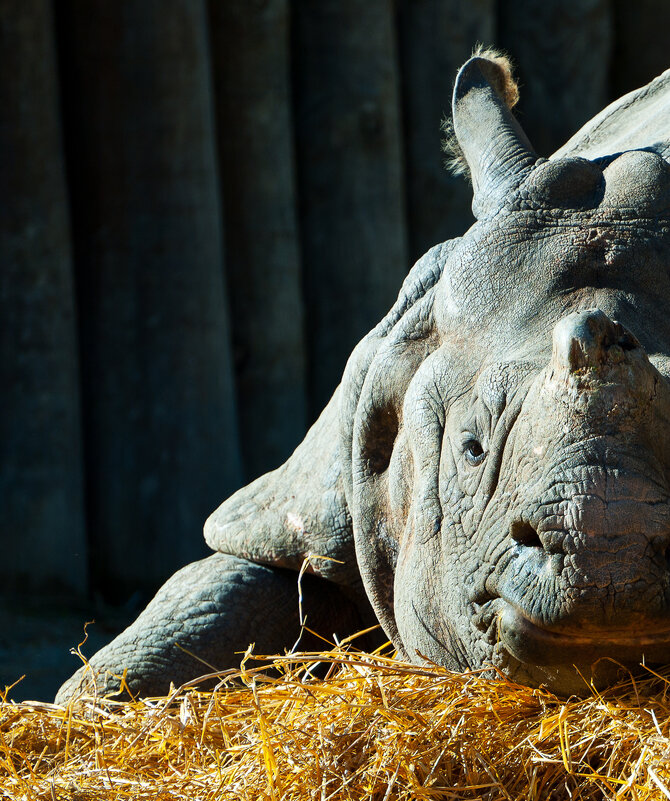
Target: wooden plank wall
203, 206
41, 464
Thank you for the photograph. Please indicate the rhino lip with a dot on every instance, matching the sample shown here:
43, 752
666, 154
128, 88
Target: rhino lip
531, 643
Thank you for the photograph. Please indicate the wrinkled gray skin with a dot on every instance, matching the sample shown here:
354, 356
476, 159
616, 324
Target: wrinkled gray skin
492, 476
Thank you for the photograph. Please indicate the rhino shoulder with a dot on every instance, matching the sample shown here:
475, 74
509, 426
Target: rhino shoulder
301, 511
294, 513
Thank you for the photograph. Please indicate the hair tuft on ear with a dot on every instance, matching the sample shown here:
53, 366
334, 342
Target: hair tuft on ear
505, 85
454, 161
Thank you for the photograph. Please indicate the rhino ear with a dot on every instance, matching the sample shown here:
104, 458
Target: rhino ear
296, 512
493, 144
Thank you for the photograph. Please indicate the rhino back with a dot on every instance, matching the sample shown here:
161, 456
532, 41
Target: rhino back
638, 120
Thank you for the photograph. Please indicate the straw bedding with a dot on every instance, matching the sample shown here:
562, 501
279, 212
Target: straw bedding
373, 728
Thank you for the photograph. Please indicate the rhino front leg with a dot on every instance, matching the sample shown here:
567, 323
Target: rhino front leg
213, 609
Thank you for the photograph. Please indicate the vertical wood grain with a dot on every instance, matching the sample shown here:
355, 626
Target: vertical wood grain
251, 59
161, 439
436, 37
41, 498
350, 176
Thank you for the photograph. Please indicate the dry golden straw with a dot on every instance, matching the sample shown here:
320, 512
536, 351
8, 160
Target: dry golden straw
373, 728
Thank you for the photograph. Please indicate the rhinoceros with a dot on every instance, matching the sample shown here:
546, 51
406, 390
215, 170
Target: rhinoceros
491, 479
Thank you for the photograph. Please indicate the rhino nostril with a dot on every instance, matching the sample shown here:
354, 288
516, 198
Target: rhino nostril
523, 533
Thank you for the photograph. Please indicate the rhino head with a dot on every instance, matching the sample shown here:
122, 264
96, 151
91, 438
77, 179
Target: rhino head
491, 481
510, 479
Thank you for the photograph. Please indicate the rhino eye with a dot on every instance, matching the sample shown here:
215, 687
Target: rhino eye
474, 453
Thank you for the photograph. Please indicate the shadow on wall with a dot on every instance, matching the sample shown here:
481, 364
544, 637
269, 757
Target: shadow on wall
203, 208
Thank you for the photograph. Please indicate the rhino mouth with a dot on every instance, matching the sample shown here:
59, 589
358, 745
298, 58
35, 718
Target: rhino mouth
530, 643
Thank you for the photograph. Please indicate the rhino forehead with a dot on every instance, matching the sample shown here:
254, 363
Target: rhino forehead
511, 277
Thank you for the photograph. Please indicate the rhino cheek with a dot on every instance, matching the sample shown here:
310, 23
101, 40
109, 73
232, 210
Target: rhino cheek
428, 623
432, 579
440, 586
443, 560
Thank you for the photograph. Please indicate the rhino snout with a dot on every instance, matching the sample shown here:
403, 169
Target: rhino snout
596, 525
587, 576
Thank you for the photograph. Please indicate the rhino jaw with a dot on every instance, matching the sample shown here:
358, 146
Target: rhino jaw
572, 663
533, 644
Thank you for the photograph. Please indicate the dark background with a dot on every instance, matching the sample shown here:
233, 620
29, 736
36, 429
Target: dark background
202, 208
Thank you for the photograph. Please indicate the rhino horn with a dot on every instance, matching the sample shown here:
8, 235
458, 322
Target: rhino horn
589, 339
495, 147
